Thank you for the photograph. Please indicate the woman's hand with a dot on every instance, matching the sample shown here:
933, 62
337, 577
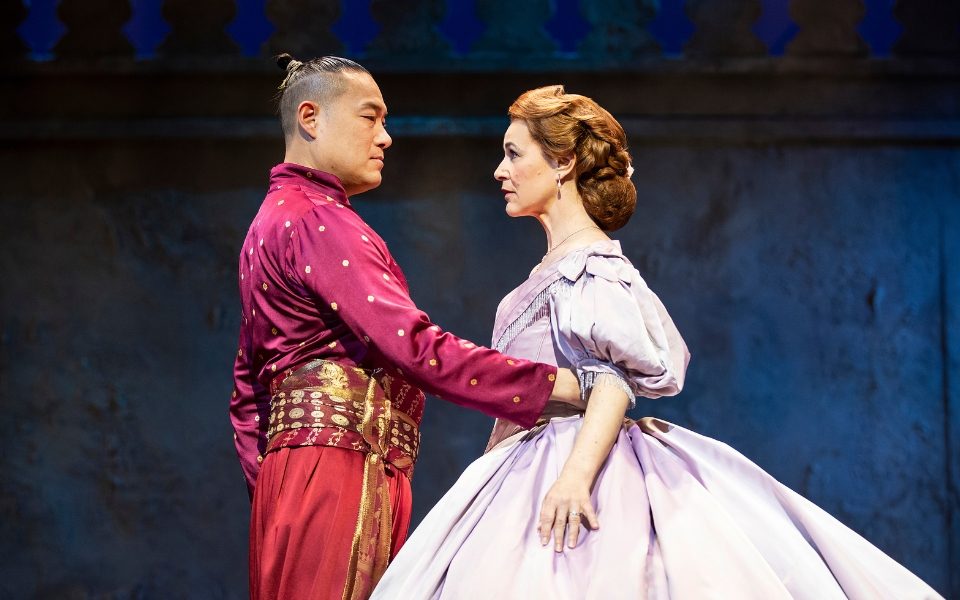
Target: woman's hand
566, 505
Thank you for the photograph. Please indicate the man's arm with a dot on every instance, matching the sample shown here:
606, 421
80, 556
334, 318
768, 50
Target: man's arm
338, 260
249, 413
567, 389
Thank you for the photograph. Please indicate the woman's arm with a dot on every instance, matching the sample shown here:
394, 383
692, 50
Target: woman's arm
569, 497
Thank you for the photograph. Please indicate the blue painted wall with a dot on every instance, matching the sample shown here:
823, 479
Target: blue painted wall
816, 282
356, 28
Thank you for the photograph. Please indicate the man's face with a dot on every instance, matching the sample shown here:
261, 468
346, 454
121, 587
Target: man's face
352, 134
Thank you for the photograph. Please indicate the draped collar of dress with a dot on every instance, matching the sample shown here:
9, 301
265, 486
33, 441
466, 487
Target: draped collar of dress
570, 267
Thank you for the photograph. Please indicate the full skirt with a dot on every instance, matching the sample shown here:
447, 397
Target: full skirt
681, 516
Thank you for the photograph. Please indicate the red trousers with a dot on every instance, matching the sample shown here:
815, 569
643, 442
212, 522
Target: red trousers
305, 509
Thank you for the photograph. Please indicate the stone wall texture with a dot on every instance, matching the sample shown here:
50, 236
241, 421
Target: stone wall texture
799, 217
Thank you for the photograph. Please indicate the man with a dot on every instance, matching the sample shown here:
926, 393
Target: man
333, 354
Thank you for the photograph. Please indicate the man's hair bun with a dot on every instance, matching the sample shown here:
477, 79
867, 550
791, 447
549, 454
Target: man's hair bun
287, 62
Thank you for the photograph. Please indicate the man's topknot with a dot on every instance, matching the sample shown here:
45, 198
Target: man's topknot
287, 62
325, 65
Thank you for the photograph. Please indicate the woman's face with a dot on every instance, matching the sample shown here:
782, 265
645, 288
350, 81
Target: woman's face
528, 180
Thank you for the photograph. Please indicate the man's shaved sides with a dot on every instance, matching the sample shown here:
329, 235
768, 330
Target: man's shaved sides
318, 80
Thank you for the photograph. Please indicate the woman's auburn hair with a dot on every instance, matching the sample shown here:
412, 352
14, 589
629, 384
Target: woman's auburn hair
569, 125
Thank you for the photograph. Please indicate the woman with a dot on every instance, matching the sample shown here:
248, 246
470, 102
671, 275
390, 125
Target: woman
631, 509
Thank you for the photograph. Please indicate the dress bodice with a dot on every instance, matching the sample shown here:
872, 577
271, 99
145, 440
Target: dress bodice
592, 312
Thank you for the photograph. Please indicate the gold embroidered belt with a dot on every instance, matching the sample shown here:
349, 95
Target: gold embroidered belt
324, 403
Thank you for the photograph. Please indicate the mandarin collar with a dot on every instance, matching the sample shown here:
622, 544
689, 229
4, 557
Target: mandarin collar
315, 179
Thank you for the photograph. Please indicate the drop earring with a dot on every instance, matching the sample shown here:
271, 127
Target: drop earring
558, 186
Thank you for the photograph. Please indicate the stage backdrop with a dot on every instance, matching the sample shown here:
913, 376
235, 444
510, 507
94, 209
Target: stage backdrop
798, 170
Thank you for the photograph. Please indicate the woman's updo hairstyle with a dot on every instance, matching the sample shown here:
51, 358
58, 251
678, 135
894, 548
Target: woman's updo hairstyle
572, 125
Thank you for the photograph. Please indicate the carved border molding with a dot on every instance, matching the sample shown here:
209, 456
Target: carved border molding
732, 101
641, 131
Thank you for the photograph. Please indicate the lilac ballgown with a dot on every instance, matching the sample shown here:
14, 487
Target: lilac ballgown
681, 515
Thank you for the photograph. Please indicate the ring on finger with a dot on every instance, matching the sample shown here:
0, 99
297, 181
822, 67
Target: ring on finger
574, 514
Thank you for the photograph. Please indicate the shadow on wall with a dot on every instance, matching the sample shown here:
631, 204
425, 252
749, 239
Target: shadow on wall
798, 216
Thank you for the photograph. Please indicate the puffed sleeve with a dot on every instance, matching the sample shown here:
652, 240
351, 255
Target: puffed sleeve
340, 262
613, 329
